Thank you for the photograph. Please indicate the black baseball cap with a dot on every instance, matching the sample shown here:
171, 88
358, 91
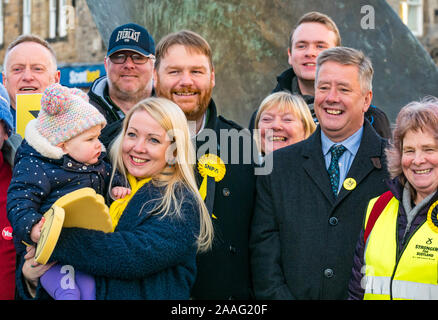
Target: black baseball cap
132, 37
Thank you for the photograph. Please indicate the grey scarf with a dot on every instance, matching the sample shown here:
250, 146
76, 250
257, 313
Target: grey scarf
412, 212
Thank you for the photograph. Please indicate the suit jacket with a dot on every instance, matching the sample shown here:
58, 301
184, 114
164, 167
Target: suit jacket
302, 238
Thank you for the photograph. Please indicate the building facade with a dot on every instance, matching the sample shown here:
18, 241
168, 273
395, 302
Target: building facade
67, 25
421, 17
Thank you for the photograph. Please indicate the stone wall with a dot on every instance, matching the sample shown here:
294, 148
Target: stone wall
249, 39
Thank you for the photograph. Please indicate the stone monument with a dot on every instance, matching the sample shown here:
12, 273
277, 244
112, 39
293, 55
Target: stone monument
249, 39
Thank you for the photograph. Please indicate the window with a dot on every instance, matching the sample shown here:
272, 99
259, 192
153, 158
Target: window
58, 14
411, 13
27, 6
62, 14
52, 19
2, 24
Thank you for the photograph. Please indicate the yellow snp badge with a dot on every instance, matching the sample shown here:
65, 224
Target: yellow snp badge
432, 219
349, 184
210, 165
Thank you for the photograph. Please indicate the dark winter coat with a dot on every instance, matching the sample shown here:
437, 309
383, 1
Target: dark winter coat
224, 272
302, 238
99, 98
148, 256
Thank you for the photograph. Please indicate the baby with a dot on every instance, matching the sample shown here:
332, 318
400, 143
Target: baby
61, 153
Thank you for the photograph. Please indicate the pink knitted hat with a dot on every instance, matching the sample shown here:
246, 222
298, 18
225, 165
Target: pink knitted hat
66, 113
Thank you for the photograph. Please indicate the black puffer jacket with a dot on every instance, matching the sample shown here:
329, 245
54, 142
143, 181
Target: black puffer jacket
42, 174
99, 97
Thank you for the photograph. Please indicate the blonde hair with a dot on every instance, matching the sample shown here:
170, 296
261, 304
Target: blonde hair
286, 102
172, 119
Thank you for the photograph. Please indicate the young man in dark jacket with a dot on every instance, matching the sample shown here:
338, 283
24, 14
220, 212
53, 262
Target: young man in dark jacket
314, 33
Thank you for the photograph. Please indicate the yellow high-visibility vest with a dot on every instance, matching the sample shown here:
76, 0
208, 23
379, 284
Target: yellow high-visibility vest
411, 274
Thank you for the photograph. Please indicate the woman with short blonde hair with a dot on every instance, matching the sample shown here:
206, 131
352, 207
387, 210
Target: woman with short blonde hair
288, 118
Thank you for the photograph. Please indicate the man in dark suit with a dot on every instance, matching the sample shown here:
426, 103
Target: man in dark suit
310, 209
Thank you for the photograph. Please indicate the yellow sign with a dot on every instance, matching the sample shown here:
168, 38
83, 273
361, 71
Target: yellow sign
49, 234
68, 212
349, 184
28, 107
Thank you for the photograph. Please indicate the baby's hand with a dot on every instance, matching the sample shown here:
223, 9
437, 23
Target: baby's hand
120, 192
35, 233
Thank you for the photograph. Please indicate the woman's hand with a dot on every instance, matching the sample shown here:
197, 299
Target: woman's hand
32, 270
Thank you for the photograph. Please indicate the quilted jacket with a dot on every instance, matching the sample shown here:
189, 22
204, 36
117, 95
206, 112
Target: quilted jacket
42, 174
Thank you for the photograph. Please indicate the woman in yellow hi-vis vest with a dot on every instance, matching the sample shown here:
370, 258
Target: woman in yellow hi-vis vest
397, 252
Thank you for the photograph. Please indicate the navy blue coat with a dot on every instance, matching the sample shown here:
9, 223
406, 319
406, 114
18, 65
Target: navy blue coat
38, 181
148, 256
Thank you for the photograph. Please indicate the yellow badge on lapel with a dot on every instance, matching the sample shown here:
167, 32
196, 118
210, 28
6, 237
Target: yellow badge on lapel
210, 165
432, 219
349, 184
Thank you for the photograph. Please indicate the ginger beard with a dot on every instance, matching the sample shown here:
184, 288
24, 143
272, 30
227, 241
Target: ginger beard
184, 97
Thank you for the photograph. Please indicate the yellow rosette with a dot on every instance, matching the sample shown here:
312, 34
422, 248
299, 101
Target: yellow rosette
210, 165
432, 219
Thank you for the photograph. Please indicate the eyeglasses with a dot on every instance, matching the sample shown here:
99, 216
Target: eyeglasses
120, 58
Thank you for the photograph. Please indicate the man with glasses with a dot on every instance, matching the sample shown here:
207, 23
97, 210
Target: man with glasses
129, 65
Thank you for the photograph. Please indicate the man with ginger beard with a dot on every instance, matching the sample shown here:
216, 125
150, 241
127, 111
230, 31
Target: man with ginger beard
184, 73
